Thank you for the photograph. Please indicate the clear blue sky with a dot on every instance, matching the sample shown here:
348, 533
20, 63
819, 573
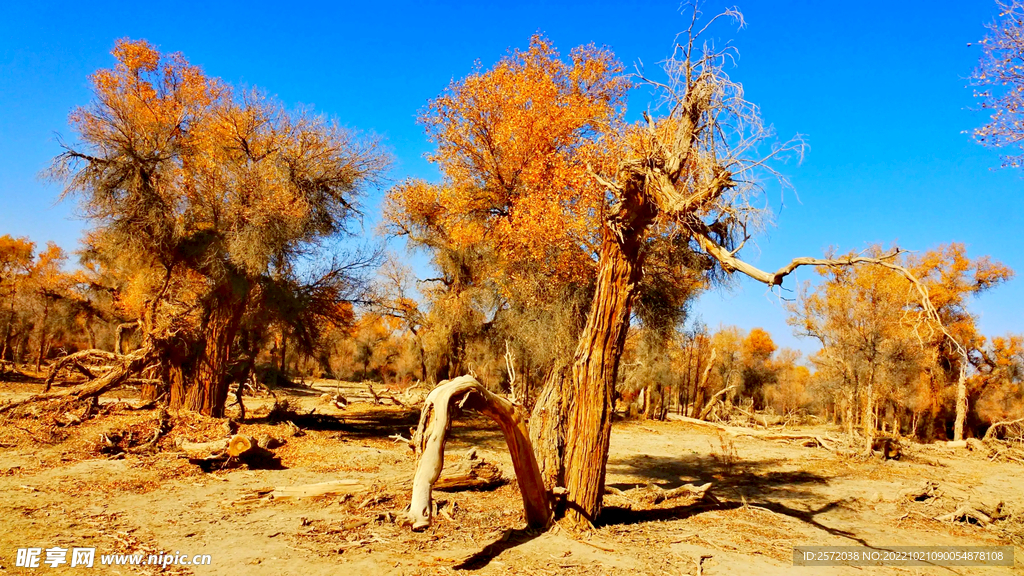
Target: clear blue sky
877, 87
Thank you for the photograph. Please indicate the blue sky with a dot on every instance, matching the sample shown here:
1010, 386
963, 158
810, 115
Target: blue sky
878, 89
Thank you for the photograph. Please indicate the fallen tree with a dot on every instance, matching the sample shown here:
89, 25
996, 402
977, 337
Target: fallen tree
1003, 428
736, 431
83, 362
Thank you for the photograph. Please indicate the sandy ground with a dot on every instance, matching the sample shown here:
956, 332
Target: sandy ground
58, 489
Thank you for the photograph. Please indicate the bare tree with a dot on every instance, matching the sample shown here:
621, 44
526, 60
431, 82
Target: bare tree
999, 79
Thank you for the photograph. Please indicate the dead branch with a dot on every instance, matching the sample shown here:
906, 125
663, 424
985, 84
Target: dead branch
315, 490
992, 431
431, 434
77, 361
131, 364
762, 434
731, 263
163, 426
652, 494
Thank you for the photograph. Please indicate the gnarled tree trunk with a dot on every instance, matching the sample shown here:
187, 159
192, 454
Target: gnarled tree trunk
596, 365
547, 427
207, 393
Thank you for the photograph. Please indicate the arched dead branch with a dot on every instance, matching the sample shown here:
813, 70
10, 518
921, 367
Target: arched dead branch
1005, 426
435, 421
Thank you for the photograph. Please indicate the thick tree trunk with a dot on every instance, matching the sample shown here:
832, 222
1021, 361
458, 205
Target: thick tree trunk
596, 366
208, 391
547, 427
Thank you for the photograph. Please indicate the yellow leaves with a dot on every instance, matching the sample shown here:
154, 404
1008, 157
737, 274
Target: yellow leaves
758, 344
136, 56
15, 254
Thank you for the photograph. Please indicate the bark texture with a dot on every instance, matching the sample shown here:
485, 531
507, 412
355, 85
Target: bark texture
547, 427
596, 363
208, 392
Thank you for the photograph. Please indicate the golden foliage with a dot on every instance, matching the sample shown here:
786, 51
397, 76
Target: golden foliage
514, 143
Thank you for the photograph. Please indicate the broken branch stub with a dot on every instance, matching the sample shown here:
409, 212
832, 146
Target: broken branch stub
435, 421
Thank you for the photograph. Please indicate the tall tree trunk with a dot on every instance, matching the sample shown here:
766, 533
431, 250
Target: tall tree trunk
596, 365
10, 324
42, 334
869, 411
547, 427
961, 402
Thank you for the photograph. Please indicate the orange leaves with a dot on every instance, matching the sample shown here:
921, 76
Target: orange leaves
207, 191
514, 143
138, 56
952, 279
758, 345
15, 255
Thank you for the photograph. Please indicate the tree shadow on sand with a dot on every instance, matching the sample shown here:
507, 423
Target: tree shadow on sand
735, 483
509, 539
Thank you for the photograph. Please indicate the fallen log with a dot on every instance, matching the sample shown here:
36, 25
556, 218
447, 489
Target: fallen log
203, 449
247, 448
979, 513
76, 361
736, 431
470, 474
314, 490
652, 494
131, 364
223, 453
431, 434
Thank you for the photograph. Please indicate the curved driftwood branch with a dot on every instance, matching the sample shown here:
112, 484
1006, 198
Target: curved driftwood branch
435, 421
993, 430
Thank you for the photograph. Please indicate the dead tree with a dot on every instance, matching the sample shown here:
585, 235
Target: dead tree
690, 172
82, 362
